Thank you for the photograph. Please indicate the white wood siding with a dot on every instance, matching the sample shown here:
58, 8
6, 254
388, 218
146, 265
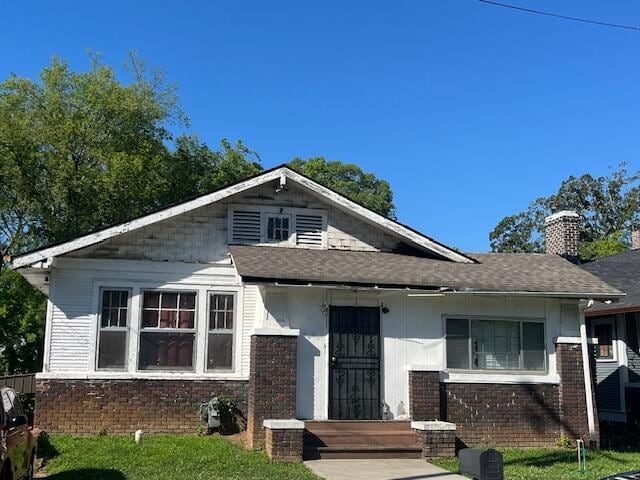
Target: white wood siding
75, 284
412, 334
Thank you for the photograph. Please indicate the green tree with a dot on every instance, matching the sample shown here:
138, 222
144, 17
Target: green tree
608, 206
351, 181
195, 169
22, 309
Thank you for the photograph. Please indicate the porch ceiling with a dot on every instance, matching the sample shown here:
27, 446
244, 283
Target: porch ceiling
494, 272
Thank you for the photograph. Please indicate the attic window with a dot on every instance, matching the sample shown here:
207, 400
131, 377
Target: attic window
266, 224
278, 227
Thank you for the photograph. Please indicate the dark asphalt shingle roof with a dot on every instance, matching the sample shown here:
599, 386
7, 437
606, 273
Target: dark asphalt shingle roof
621, 271
494, 272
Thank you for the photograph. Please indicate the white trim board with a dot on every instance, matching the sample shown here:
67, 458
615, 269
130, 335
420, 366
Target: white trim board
280, 173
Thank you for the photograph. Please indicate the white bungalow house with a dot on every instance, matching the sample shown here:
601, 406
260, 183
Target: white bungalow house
301, 304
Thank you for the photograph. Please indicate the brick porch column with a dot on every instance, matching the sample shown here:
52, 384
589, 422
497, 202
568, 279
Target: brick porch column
437, 439
272, 380
573, 399
283, 439
424, 393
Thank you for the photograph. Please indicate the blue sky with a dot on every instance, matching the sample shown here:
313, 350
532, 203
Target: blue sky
469, 110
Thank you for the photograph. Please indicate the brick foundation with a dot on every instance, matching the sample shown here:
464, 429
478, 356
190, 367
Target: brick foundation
86, 407
272, 383
502, 415
437, 439
283, 443
523, 415
424, 395
573, 402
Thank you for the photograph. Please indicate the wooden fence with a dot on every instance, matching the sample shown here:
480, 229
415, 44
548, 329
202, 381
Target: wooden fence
24, 384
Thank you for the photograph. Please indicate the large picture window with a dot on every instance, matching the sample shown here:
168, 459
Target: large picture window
220, 331
114, 326
167, 333
493, 344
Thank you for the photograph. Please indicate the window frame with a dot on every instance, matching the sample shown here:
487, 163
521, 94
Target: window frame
520, 320
126, 329
210, 294
612, 322
291, 231
194, 356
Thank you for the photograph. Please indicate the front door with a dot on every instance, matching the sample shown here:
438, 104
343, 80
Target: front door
354, 358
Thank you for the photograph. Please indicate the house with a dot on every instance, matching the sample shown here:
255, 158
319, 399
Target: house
617, 328
312, 311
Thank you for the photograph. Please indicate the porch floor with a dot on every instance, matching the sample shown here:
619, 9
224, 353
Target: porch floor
379, 469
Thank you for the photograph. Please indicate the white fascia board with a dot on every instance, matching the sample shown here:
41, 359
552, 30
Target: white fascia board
378, 219
97, 237
276, 174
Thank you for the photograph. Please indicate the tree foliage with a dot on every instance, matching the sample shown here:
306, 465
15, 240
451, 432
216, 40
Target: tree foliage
351, 181
608, 206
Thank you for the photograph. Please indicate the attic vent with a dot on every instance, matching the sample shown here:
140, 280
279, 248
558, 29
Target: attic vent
309, 230
246, 227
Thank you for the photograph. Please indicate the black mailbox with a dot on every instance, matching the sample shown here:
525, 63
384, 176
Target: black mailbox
481, 464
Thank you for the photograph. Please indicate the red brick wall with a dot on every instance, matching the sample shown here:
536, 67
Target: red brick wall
524, 415
86, 407
573, 402
272, 383
284, 444
424, 395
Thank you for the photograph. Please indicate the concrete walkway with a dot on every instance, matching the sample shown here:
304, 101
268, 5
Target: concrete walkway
395, 469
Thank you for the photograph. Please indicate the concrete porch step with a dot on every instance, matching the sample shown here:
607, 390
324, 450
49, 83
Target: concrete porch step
360, 451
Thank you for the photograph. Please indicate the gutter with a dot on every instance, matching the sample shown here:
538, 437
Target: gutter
444, 290
588, 386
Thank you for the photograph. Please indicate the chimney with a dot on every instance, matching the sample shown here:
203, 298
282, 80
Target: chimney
635, 239
562, 234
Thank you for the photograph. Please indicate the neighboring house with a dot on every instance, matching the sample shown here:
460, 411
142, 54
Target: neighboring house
298, 302
617, 328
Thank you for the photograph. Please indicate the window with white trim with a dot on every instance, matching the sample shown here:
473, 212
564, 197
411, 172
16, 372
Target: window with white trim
113, 329
220, 331
167, 330
495, 344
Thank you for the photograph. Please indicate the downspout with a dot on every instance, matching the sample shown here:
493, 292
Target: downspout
588, 386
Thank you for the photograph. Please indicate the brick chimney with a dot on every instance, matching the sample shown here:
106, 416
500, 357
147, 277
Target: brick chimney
635, 239
562, 234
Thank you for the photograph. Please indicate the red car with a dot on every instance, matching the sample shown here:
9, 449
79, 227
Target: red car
17, 442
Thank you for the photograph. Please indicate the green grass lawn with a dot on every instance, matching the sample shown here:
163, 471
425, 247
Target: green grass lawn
552, 464
162, 458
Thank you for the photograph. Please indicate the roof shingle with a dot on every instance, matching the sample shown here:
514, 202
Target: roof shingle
494, 272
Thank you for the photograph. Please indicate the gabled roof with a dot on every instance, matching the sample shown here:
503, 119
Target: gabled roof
281, 173
501, 273
623, 272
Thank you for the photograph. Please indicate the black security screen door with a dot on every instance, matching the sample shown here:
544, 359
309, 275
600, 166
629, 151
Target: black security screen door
354, 358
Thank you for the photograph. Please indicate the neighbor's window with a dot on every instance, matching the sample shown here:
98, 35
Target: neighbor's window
220, 338
114, 326
479, 344
278, 227
167, 332
604, 333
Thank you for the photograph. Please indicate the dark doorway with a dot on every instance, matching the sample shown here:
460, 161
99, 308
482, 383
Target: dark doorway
354, 359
